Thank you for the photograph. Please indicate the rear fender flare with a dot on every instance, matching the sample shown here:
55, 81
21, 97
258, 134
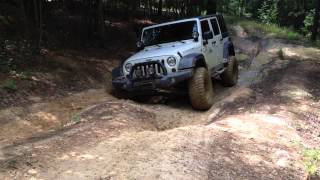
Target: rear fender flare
228, 49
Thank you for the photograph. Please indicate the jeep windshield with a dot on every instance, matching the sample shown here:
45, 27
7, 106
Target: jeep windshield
169, 33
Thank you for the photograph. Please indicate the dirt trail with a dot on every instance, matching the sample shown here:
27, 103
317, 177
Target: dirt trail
250, 133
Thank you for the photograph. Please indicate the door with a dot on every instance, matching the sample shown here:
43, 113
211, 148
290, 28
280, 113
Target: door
224, 33
218, 41
207, 48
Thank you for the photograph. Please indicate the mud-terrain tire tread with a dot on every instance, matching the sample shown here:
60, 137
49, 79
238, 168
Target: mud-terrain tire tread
200, 89
230, 75
140, 98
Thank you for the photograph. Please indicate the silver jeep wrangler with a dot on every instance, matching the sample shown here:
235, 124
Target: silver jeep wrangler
190, 51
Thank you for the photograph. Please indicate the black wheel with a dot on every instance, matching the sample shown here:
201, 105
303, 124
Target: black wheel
230, 75
140, 98
201, 90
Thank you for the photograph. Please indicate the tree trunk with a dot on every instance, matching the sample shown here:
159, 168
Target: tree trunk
243, 5
150, 8
160, 8
40, 23
211, 6
305, 6
24, 19
36, 14
101, 20
316, 22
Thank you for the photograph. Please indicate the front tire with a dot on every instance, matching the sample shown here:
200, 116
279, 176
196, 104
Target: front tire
119, 93
230, 75
201, 90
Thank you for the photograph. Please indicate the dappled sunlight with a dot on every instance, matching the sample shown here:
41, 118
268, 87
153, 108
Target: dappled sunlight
86, 157
284, 158
296, 93
262, 126
47, 117
27, 124
150, 152
20, 123
301, 53
290, 52
240, 32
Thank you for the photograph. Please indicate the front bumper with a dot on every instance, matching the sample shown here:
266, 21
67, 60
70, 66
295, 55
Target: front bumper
164, 82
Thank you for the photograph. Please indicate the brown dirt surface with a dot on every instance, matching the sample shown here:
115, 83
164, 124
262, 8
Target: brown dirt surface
253, 131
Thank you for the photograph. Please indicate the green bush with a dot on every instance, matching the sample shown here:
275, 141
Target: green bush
273, 30
280, 54
9, 85
268, 13
312, 160
308, 23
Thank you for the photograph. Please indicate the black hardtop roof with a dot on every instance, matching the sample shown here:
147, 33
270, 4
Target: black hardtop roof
207, 16
196, 17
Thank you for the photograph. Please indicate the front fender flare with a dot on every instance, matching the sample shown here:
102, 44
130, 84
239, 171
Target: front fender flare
190, 61
117, 72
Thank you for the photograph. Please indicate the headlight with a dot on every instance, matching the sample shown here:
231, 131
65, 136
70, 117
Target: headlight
171, 61
128, 67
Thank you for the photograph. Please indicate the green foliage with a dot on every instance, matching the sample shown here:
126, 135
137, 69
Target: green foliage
312, 160
76, 119
280, 54
308, 23
9, 85
3, 20
268, 13
297, 16
20, 75
236, 8
272, 30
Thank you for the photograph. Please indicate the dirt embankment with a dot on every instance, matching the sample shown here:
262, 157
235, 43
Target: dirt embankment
254, 130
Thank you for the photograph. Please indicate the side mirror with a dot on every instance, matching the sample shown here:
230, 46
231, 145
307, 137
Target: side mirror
140, 45
207, 35
195, 36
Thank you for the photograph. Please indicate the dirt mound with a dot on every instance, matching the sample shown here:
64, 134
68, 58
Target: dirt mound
121, 113
239, 147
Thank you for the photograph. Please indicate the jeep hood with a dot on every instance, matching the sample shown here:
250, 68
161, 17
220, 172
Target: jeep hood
168, 49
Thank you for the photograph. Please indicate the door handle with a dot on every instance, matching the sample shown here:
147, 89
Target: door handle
214, 42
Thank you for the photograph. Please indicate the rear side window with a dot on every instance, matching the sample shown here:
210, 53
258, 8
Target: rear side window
215, 27
205, 26
222, 24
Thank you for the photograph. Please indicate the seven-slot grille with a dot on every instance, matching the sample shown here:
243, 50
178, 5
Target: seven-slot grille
147, 70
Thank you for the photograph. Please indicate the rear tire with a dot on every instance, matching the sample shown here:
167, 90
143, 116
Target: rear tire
201, 90
230, 75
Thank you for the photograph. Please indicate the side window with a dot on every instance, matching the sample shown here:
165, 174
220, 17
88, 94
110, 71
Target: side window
223, 26
215, 27
205, 26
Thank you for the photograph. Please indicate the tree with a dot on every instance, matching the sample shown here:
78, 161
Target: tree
211, 6
268, 13
101, 19
160, 8
316, 22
